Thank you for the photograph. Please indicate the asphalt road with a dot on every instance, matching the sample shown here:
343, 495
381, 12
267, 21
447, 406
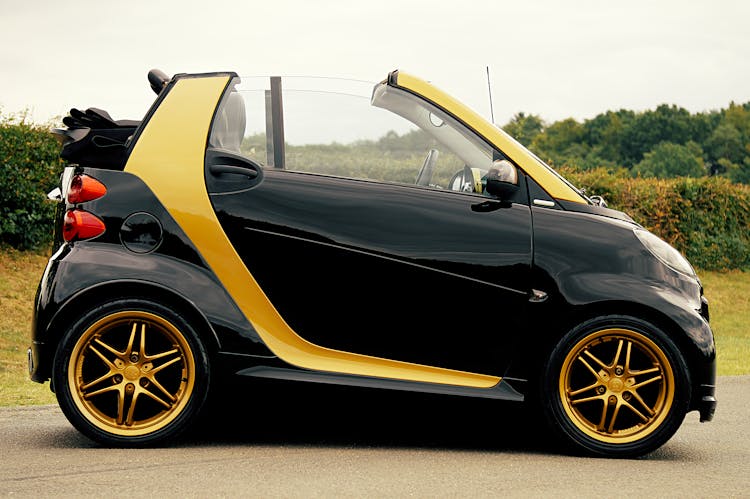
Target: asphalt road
276, 441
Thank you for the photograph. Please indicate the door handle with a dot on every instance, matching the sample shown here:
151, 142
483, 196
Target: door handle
247, 171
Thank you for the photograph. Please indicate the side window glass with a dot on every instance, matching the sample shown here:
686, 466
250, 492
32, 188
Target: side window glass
341, 127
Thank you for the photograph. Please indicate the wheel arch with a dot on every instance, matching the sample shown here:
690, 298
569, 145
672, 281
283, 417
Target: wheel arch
658, 318
121, 289
544, 344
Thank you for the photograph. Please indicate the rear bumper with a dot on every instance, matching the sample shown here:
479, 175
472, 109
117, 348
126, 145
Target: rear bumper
34, 354
39, 356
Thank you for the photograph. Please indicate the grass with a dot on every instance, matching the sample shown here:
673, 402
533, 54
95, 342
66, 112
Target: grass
728, 293
19, 275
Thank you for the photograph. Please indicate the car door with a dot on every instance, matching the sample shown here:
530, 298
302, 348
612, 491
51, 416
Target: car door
400, 272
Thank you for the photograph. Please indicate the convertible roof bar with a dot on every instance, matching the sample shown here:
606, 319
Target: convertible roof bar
275, 152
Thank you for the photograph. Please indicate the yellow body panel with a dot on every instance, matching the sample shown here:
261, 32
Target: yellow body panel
554, 185
169, 158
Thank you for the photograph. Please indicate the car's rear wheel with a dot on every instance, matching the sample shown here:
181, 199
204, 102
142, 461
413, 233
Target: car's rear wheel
131, 372
616, 386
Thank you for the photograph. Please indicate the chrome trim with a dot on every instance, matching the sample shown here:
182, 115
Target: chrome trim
537, 296
30, 360
67, 176
55, 194
544, 202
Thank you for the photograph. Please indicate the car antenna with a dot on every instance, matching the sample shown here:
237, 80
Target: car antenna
489, 90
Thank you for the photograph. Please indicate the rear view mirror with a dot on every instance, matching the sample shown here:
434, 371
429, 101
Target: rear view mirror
502, 179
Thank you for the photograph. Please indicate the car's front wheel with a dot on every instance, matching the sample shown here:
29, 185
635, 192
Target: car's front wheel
130, 373
616, 386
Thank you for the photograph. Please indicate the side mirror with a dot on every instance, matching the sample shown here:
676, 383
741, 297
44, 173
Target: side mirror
598, 201
502, 179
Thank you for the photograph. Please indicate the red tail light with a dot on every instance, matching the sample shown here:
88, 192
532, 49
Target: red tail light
79, 224
84, 188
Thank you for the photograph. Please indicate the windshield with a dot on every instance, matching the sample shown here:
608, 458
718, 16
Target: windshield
448, 136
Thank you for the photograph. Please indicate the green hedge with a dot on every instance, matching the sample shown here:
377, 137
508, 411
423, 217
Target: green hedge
707, 219
29, 168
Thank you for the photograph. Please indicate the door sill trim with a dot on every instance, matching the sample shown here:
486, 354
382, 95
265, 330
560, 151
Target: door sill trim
502, 390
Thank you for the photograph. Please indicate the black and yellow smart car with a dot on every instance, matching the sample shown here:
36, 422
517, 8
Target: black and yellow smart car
191, 245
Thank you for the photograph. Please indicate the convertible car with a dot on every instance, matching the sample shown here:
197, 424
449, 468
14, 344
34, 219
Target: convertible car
443, 257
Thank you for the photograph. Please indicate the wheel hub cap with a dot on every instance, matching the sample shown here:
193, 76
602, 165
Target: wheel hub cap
616, 385
132, 373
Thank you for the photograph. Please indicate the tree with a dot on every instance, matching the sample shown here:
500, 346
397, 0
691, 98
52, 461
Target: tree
559, 137
738, 173
728, 146
668, 159
664, 124
739, 117
524, 128
604, 133
726, 143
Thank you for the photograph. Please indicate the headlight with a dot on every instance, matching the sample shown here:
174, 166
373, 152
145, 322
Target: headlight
664, 252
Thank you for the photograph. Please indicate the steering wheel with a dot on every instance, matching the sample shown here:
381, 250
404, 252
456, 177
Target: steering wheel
462, 180
425, 173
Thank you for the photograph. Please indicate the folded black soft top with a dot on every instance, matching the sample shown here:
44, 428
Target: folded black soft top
93, 139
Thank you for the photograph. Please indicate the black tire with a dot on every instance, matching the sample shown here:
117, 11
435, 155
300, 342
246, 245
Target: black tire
131, 373
615, 386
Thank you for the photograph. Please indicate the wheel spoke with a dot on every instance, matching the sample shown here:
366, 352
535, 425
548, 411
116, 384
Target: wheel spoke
617, 354
603, 418
155, 397
163, 354
601, 364
143, 341
120, 406
131, 409
647, 382
88, 385
106, 361
643, 403
627, 357
613, 420
100, 391
158, 385
131, 340
636, 411
582, 390
111, 350
645, 371
165, 365
586, 399
588, 366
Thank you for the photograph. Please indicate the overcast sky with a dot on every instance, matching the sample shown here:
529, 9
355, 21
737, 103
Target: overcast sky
555, 59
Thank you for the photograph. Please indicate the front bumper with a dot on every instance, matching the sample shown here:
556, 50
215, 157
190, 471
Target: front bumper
707, 404
705, 393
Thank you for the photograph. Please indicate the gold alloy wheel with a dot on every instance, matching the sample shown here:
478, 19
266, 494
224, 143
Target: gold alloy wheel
616, 386
131, 373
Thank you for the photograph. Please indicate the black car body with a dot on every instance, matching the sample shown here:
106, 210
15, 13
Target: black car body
179, 258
